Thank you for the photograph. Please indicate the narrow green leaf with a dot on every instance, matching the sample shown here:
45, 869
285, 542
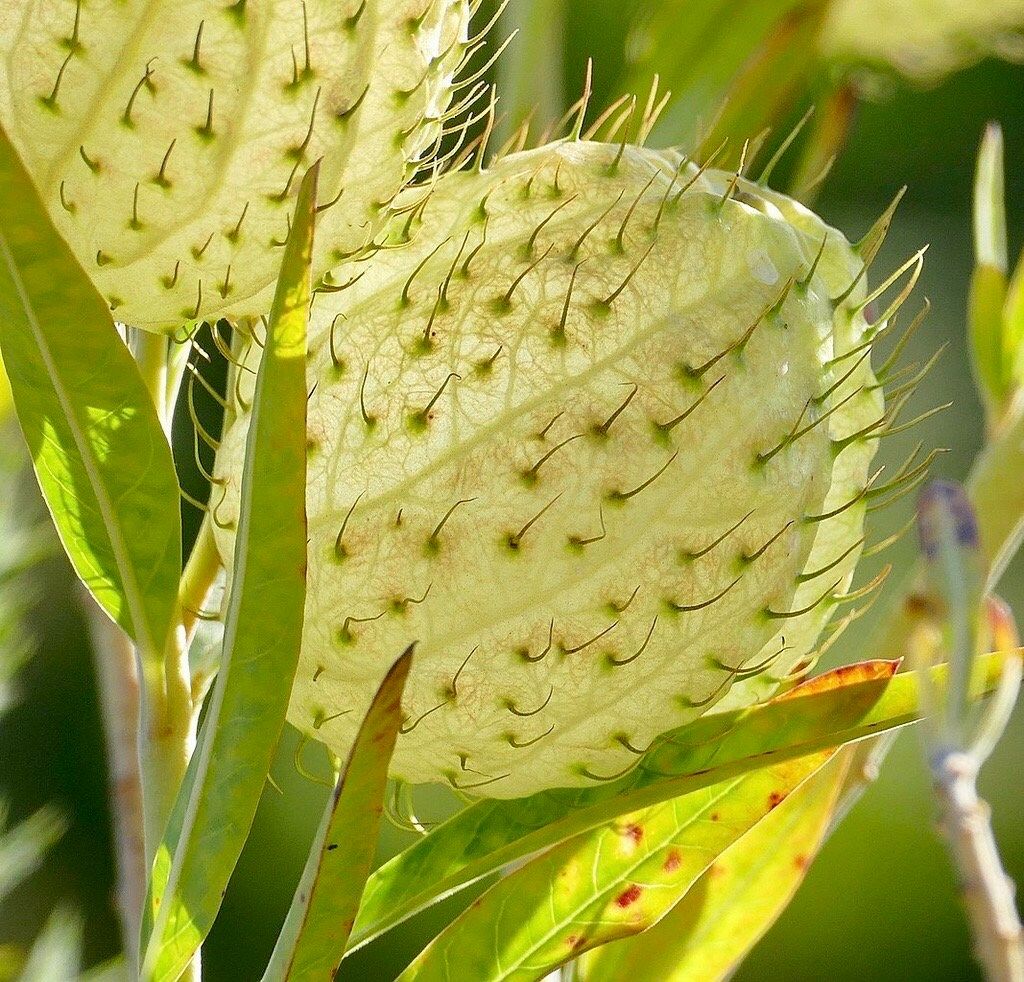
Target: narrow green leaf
100, 455
848, 704
994, 321
709, 932
6, 403
996, 488
23, 847
607, 884
262, 634
989, 207
530, 73
1013, 326
316, 931
985, 317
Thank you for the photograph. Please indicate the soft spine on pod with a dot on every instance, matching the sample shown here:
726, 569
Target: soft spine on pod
598, 439
168, 139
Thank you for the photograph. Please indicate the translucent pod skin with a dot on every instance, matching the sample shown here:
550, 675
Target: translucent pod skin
168, 139
837, 265
578, 440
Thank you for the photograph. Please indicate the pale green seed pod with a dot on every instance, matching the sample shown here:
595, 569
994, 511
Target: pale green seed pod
168, 139
923, 40
591, 441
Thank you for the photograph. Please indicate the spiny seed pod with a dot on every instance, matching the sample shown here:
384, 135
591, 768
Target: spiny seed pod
598, 440
168, 139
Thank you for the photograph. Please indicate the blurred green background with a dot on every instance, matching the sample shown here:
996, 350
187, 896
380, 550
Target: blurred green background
881, 901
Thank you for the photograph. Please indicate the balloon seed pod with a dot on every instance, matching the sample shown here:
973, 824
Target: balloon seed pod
598, 439
168, 140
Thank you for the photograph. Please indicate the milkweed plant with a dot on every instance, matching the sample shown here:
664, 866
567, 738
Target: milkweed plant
541, 472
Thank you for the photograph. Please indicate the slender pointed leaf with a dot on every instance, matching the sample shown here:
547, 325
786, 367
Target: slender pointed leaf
23, 847
606, 884
530, 73
993, 363
997, 493
56, 953
709, 932
317, 928
845, 705
262, 634
1013, 326
989, 201
100, 455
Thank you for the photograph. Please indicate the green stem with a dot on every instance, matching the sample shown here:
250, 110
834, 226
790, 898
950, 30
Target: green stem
147, 709
200, 572
151, 353
118, 687
166, 742
165, 734
177, 363
166, 731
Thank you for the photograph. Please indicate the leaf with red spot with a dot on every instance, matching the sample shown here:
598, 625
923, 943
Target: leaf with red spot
836, 708
706, 935
606, 884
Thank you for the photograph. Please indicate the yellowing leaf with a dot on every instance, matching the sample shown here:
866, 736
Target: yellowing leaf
610, 883
849, 704
705, 936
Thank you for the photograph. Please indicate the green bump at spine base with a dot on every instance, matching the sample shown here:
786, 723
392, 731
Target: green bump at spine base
168, 140
606, 533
